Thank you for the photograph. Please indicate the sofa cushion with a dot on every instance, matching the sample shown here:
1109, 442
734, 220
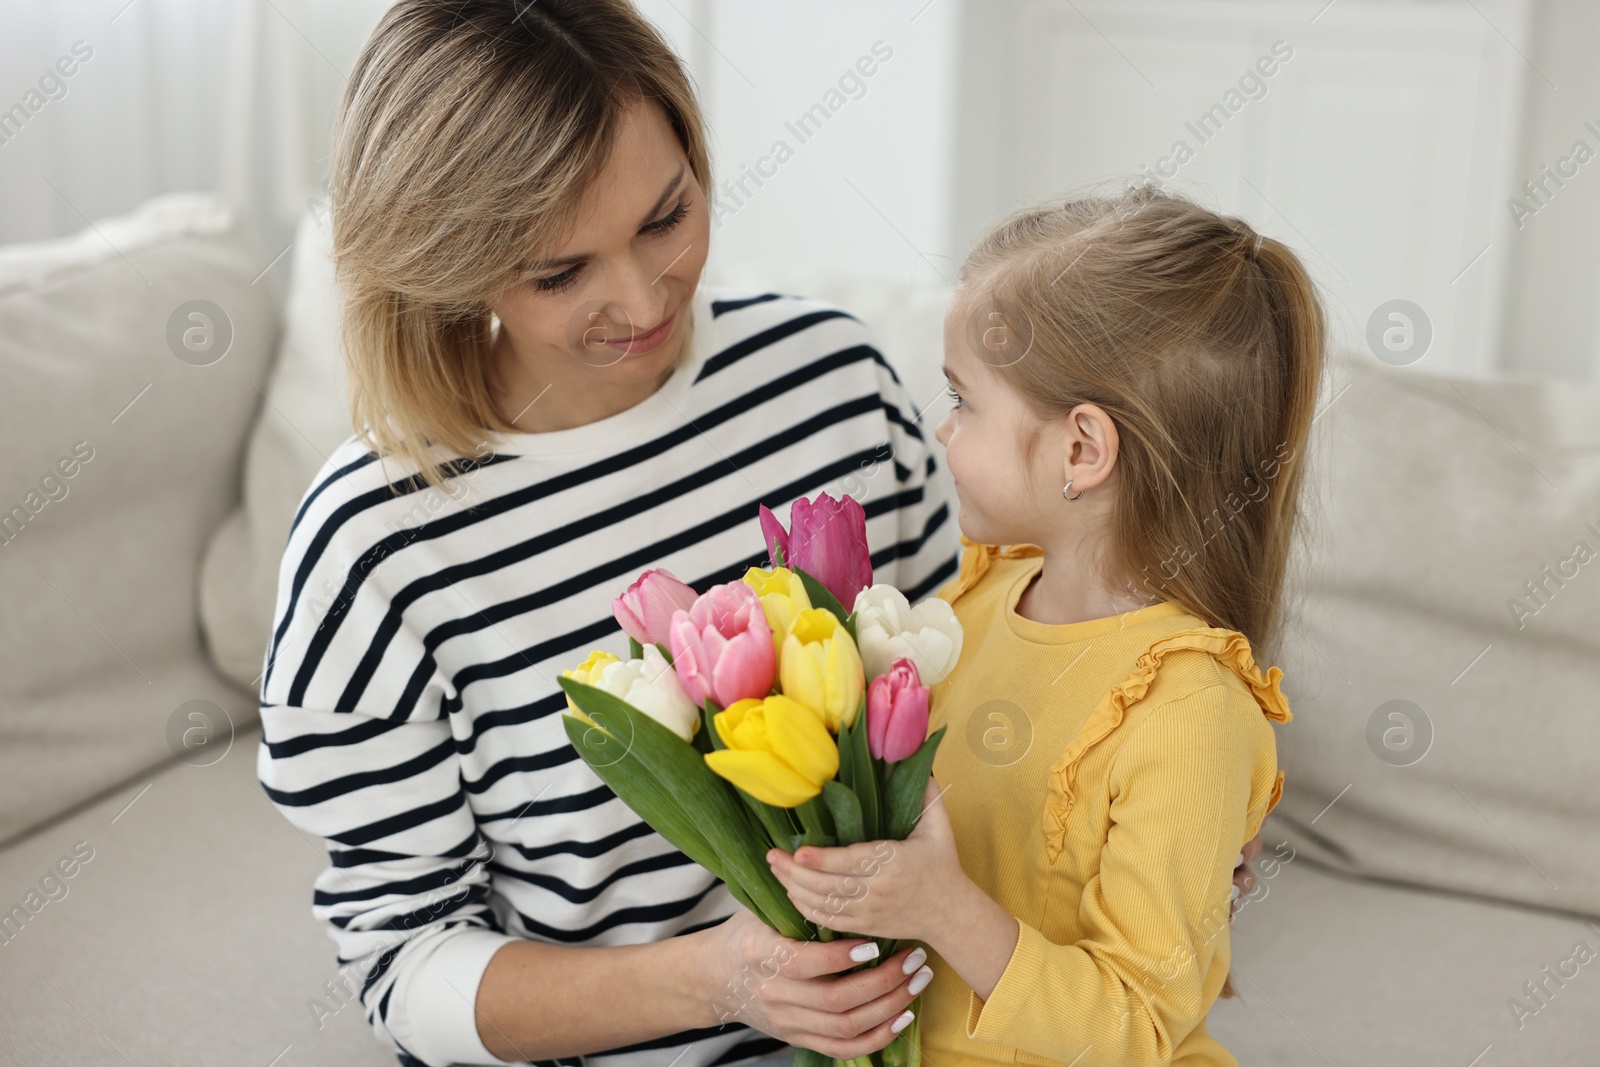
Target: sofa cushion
1444, 655
121, 446
182, 936
1332, 968
304, 420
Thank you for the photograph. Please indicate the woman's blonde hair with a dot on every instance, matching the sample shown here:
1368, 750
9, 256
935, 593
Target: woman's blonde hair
1204, 341
467, 135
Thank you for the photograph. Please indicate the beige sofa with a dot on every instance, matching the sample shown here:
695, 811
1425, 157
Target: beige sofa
158, 907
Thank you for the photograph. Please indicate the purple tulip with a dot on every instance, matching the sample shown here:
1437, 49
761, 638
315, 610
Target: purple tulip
827, 540
722, 646
645, 611
897, 712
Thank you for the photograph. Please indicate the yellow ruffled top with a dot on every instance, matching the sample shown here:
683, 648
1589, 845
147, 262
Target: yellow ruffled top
1101, 777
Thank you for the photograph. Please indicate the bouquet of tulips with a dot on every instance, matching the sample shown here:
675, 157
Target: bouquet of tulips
762, 713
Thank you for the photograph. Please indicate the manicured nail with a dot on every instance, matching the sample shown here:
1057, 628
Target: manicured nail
1240, 860
920, 981
902, 1022
863, 953
1235, 892
918, 957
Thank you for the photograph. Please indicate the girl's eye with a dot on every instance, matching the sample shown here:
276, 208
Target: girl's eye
668, 221
955, 397
557, 282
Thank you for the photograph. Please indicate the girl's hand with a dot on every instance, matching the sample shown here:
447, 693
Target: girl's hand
888, 889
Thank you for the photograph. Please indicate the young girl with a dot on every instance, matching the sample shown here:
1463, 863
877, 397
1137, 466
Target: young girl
1134, 378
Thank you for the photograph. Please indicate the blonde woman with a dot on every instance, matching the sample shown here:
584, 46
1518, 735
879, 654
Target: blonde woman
549, 402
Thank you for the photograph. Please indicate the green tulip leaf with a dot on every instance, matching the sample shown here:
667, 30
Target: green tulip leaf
614, 765
846, 809
908, 781
868, 788
693, 793
635, 649
822, 598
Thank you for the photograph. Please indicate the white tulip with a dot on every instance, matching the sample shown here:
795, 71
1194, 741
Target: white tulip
889, 628
651, 685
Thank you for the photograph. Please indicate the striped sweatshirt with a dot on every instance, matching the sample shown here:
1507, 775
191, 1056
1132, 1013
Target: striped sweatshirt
410, 713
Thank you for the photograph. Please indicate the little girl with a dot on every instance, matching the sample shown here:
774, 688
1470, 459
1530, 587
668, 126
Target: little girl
1134, 378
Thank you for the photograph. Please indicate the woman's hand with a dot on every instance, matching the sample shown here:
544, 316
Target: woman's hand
888, 889
795, 991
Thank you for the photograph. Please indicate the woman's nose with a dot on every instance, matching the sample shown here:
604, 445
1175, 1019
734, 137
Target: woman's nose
639, 296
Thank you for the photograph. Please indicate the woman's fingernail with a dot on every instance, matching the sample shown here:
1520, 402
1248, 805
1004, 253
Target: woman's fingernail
920, 981
902, 1022
1235, 892
1239, 861
918, 957
863, 953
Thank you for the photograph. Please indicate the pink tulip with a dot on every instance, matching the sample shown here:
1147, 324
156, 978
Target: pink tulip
645, 611
897, 712
827, 540
722, 646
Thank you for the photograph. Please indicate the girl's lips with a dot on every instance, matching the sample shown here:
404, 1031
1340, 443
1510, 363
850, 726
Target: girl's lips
644, 342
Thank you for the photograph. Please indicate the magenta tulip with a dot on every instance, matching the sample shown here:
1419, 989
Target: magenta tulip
897, 712
827, 539
722, 646
645, 611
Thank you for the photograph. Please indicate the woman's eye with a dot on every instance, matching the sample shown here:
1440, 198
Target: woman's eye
557, 282
668, 221
955, 397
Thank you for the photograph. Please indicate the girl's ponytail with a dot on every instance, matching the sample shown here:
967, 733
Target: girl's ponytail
1299, 327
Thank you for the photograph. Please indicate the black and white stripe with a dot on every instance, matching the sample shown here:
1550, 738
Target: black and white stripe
410, 712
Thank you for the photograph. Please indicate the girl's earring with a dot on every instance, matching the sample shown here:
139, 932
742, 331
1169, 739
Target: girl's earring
1068, 486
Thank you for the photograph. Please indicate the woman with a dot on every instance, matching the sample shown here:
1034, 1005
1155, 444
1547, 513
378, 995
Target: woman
519, 227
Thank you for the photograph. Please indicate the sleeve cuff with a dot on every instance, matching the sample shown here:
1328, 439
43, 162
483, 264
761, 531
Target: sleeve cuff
992, 1019
438, 995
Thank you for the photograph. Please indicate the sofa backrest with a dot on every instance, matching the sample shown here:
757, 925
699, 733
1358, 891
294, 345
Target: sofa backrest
1443, 657
129, 358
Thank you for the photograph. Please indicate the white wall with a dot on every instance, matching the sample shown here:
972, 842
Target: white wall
865, 190
238, 95
1552, 325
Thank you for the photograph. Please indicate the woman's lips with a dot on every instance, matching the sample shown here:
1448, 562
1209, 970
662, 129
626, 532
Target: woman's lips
644, 342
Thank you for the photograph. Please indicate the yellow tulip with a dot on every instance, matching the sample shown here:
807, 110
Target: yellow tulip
782, 595
821, 668
778, 750
588, 672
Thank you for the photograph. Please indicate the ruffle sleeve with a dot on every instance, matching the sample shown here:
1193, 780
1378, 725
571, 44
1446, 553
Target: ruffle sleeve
1229, 647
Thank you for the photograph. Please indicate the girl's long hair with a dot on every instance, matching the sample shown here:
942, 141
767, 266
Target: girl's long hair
1205, 343
465, 139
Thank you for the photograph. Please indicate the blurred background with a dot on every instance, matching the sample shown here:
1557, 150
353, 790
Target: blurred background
1429, 888
1432, 151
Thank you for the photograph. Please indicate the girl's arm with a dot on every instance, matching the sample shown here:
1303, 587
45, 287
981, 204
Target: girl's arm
1154, 915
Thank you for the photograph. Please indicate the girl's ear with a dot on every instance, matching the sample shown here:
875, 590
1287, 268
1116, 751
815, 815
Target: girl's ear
1091, 452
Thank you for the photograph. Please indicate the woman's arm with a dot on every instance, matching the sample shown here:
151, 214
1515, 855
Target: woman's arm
539, 1001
